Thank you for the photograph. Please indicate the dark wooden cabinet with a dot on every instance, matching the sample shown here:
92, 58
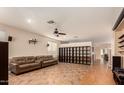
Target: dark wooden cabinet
78, 55
3, 63
116, 62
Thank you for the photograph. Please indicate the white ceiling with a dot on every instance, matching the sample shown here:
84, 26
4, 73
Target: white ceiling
89, 24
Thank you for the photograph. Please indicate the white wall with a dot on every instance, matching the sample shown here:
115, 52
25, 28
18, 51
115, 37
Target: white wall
20, 45
3, 35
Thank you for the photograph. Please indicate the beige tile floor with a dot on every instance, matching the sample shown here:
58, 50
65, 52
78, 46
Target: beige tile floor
65, 74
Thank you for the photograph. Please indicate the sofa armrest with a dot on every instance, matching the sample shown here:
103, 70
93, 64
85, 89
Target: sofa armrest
120, 71
15, 64
55, 59
14, 67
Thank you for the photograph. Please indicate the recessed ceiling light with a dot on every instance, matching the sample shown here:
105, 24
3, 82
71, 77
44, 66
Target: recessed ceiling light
29, 20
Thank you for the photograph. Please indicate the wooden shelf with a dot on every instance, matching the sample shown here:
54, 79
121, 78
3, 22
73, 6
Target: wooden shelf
121, 46
121, 41
121, 36
121, 51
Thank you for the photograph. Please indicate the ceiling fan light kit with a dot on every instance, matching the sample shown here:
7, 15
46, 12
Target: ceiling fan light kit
34, 41
56, 32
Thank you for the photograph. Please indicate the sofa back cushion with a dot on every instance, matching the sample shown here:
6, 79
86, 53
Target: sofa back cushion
30, 59
19, 60
39, 58
48, 58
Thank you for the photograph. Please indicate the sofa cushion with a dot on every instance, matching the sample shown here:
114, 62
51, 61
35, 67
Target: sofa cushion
28, 65
48, 58
48, 61
30, 59
39, 58
19, 60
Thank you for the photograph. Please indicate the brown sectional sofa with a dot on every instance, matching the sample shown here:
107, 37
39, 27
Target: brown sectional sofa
48, 60
20, 65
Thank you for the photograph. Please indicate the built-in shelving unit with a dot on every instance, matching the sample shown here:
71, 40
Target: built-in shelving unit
79, 55
121, 43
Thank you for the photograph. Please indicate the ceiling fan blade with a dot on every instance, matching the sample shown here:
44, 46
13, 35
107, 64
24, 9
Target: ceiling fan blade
62, 33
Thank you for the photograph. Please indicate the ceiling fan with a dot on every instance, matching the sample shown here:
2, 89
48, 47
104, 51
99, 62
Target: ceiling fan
57, 33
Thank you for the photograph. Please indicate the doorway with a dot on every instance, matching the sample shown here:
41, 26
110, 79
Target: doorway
105, 55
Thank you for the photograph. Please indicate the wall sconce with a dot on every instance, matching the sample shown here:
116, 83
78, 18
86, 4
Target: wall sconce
48, 45
34, 41
10, 38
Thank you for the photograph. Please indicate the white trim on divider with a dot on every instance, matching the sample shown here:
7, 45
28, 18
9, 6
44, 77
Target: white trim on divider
76, 44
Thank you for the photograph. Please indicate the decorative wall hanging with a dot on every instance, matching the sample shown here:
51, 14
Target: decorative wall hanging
33, 41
